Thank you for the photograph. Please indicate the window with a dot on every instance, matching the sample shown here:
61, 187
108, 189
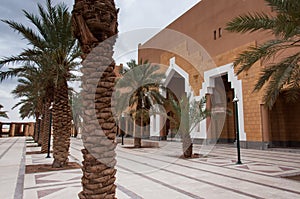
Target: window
220, 32
215, 34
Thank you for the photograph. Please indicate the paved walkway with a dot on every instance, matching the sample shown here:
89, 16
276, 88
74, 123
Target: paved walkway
159, 173
12, 167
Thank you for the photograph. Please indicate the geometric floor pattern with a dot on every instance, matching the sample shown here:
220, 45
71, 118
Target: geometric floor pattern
63, 184
216, 176
267, 168
220, 161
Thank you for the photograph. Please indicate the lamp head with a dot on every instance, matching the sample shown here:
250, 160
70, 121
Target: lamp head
235, 99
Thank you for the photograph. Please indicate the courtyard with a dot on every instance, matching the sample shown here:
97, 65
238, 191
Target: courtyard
156, 172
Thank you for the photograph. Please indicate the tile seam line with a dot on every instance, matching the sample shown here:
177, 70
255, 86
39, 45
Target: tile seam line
223, 166
250, 181
163, 184
5, 141
229, 153
287, 158
19, 191
291, 154
1, 156
52, 185
203, 181
206, 163
128, 192
253, 156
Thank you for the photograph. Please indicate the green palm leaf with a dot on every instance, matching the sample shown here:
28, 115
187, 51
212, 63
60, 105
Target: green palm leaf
278, 74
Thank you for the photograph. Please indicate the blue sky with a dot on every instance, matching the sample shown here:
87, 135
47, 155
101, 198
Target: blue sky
133, 15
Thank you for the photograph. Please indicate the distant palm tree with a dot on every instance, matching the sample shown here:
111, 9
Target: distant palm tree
32, 94
35, 97
284, 74
53, 45
188, 113
140, 84
3, 113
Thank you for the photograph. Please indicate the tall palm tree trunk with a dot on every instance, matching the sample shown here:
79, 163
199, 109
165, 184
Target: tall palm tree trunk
95, 21
137, 139
61, 126
45, 129
187, 145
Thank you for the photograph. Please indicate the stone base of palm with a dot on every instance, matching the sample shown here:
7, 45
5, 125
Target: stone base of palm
137, 142
187, 146
188, 150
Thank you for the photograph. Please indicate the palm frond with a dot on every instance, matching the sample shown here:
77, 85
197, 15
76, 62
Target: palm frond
250, 23
3, 113
281, 75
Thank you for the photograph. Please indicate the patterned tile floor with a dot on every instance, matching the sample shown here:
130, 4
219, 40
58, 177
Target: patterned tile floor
159, 173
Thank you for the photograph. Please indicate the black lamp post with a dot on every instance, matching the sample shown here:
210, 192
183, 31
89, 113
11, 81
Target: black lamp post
39, 128
122, 126
49, 139
235, 101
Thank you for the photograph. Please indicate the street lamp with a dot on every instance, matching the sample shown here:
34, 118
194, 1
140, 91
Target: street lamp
122, 122
39, 128
235, 101
49, 139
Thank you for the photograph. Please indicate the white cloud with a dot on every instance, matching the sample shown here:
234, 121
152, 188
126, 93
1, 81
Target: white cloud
134, 14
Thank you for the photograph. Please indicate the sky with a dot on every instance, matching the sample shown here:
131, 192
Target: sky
146, 17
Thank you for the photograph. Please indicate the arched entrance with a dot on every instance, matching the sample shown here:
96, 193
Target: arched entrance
177, 84
232, 87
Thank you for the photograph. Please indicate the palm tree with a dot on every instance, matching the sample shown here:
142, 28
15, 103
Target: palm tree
138, 89
35, 95
52, 44
32, 94
279, 74
93, 23
3, 113
187, 115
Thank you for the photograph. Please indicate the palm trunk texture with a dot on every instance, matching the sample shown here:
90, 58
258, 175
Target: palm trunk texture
61, 126
93, 22
45, 130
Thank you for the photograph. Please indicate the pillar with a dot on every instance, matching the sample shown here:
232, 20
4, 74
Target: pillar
26, 130
0, 129
265, 125
126, 125
208, 119
12, 130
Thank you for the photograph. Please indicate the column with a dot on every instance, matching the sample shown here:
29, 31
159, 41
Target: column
26, 126
208, 119
0, 129
126, 125
12, 130
265, 123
